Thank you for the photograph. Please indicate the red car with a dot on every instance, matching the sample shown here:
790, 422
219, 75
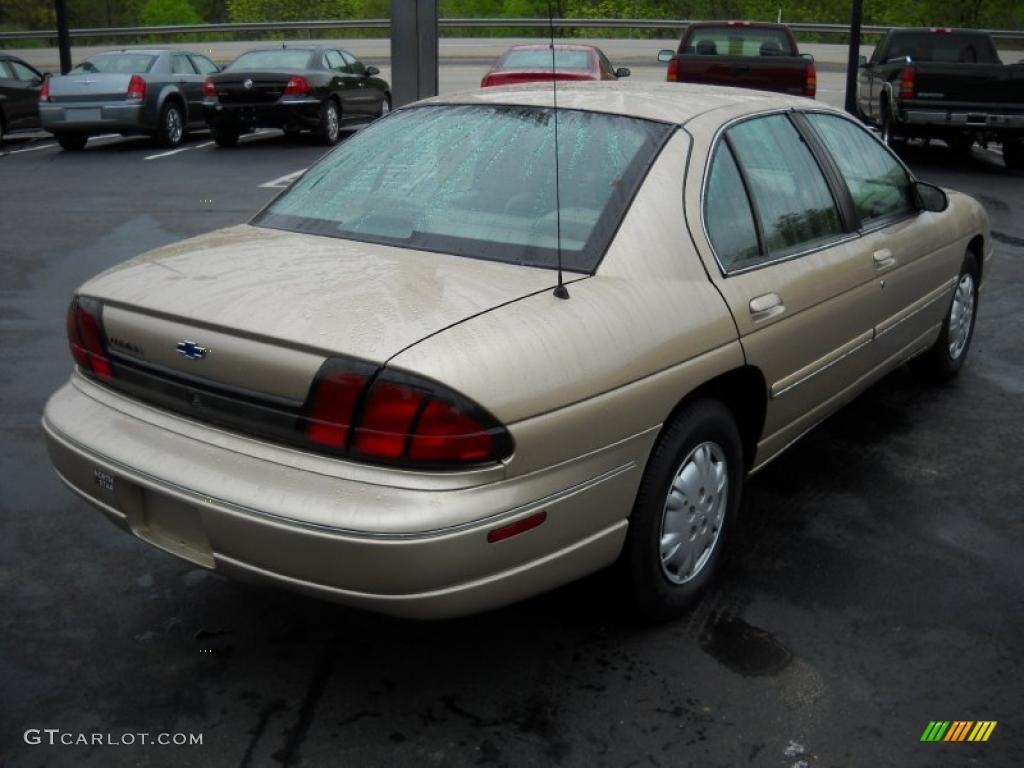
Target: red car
532, 63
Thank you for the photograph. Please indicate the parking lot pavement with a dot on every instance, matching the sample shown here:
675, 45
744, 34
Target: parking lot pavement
873, 584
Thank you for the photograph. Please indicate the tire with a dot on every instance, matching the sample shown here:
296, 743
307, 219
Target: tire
1013, 154
72, 142
171, 128
225, 137
701, 442
329, 130
946, 357
385, 106
1, 128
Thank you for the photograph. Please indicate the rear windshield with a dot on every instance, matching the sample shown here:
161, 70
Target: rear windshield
117, 63
738, 41
282, 59
478, 181
948, 47
540, 58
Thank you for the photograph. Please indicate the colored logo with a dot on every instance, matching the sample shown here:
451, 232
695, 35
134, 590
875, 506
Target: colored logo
958, 730
191, 350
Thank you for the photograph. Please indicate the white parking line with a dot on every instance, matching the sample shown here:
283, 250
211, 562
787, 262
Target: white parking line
29, 149
283, 181
176, 151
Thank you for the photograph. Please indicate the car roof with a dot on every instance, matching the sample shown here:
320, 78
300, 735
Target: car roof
147, 51
667, 102
545, 47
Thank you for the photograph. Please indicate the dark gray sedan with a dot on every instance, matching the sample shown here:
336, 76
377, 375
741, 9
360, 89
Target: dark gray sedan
153, 92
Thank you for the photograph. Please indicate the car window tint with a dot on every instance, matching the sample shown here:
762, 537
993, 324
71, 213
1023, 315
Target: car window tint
279, 58
203, 65
540, 58
793, 199
479, 181
878, 183
727, 213
181, 65
23, 72
354, 65
117, 63
334, 61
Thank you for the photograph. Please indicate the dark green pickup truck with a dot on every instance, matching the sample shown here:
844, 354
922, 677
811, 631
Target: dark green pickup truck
947, 84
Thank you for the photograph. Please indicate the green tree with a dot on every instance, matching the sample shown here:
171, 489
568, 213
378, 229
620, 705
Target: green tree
157, 13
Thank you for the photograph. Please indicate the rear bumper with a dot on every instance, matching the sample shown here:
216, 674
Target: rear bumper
981, 121
297, 113
261, 519
94, 119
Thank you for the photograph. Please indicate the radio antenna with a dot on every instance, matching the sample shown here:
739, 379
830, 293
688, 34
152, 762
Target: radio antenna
560, 290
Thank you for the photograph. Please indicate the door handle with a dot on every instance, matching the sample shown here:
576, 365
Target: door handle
883, 258
766, 306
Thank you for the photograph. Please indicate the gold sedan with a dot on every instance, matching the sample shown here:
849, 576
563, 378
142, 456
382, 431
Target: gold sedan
443, 372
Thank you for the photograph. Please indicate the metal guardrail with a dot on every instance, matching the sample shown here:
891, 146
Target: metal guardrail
457, 23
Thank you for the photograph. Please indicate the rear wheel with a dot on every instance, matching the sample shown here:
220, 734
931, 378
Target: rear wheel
688, 497
1013, 154
946, 357
72, 142
172, 125
225, 137
329, 129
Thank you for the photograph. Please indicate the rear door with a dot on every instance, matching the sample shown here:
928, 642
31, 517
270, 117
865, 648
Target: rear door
190, 83
783, 256
912, 256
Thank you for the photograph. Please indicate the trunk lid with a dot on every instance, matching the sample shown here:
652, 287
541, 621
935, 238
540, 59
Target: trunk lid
89, 86
251, 87
269, 306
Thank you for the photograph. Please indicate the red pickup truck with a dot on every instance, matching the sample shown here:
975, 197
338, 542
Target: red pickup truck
743, 54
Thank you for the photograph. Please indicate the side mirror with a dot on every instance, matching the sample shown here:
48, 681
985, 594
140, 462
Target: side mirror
666, 55
371, 71
930, 197
862, 61
622, 72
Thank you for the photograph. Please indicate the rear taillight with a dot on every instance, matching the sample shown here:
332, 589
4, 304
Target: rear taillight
908, 82
399, 418
296, 85
85, 335
136, 88
486, 81
810, 80
44, 91
672, 75
209, 89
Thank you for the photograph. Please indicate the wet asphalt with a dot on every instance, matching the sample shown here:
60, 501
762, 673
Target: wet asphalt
874, 582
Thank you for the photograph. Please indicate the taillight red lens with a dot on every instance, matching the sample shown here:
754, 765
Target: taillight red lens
672, 75
387, 420
85, 335
810, 80
398, 418
908, 82
44, 90
446, 433
297, 84
334, 404
136, 88
209, 89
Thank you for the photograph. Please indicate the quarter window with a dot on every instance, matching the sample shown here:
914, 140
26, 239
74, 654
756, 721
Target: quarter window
790, 194
879, 185
727, 213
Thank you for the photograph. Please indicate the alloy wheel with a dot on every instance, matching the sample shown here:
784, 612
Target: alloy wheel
961, 316
174, 125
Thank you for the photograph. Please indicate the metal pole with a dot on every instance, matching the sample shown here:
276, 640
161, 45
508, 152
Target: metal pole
63, 36
852, 62
414, 32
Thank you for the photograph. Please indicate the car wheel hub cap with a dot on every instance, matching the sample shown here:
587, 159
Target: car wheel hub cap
332, 122
961, 315
173, 125
694, 512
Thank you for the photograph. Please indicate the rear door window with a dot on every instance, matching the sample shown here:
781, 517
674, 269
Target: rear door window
793, 201
335, 62
878, 183
354, 65
181, 65
204, 65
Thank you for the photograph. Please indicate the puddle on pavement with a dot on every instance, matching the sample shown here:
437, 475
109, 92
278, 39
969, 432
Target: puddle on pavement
743, 648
